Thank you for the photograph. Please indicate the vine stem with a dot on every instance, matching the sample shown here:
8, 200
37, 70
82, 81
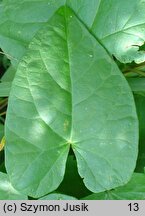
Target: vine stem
3, 113
3, 101
134, 71
3, 105
8, 56
137, 67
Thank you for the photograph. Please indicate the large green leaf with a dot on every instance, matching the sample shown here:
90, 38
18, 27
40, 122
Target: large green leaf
123, 29
69, 92
134, 190
7, 192
20, 20
120, 25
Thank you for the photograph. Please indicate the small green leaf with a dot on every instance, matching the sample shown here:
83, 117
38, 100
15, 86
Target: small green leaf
134, 190
57, 196
7, 192
9, 75
68, 92
5, 88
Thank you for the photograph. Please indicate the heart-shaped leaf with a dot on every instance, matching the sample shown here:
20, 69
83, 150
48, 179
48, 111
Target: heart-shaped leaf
68, 92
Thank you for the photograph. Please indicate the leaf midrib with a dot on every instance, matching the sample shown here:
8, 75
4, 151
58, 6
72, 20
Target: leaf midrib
69, 66
122, 30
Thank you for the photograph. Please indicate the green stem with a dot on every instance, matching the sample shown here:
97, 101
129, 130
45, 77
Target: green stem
3, 101
3, 113
141, 66
8, 56
134, 71
3, 105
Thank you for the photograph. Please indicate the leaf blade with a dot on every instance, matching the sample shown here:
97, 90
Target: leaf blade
133, 190
5, 88
7, 192
119, 25
62, 92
